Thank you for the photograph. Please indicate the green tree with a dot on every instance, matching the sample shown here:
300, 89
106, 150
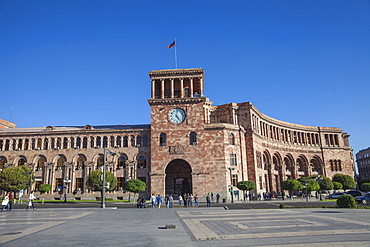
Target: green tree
309, 184
337, 186
325, 182
365, 186
347, 181
135, 186
13, 180
246, 186
43, 188
94, 181
291, 185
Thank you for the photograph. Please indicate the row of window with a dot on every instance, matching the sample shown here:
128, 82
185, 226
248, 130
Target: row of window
192, 139
74, 143
290, 136
80, 163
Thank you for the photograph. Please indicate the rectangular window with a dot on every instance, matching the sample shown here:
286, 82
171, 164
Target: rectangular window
79, 183
233, 159
120, 183
235, 180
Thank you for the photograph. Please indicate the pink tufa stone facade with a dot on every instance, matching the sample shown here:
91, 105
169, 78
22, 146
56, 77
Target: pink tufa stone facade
191, 146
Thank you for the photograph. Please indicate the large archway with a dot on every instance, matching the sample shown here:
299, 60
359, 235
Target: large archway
178, 177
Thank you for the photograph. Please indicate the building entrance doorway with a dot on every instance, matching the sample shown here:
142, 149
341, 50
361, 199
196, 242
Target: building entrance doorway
178, 177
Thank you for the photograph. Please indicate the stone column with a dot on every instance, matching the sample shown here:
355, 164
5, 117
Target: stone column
191, 88
201, 86
182, 87
153, 89
162, 88
172, 88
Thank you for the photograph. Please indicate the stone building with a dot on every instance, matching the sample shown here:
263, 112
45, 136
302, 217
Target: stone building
191, 146
363, 163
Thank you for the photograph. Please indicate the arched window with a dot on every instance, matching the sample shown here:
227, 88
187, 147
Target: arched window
193, 138
65, 143
58, 144
78, 142
40, 164
22, 161
118, 141
141, 162
60, 163
231, 139
145, 141
80, 164
20, 142
100, 161
121, 163
26, 144
84, 142
138, 141
125, 141
39, 144
3, 161
162, 139
105, 142
98, 142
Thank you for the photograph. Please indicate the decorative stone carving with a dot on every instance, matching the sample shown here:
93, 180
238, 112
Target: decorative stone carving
177, 149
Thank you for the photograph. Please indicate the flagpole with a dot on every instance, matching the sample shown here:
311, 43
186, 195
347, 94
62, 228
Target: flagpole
176, 53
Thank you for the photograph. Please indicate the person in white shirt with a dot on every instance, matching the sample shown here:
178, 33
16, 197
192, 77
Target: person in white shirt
30, 201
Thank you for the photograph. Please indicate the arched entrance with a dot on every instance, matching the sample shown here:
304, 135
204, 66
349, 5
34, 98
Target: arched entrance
178, 177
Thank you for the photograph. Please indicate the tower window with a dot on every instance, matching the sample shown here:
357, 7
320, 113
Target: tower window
193, 138
162, 139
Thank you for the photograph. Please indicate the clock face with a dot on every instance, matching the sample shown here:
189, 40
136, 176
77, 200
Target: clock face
177, 116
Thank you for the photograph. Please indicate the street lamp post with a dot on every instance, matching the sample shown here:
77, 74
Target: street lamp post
67, 181
103, 175
319, 178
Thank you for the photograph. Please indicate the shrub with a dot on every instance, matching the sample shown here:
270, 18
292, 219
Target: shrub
365, 186
346, 201
282, 206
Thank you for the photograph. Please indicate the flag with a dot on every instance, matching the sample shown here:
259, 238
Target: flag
172, 44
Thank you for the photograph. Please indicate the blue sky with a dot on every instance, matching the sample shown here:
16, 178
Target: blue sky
87, 62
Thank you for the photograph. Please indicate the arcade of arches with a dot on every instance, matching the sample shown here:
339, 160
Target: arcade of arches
276, 169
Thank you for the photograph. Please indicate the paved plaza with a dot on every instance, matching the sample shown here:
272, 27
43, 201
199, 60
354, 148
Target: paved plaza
213, 226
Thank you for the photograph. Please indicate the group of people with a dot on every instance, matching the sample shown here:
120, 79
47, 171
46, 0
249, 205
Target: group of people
186, 199
7, 202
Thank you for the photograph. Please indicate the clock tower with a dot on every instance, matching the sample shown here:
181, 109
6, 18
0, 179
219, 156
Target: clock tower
179, 112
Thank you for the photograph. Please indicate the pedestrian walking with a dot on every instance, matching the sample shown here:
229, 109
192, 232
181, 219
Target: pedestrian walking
30, 201
217, 198
170, 201
208, 200
5, 203
180, 200
10, 201
167, 201
196, 198
153, 200
190, 200
185, 198
159, 201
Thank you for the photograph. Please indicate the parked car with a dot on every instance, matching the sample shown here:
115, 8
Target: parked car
363, 199
355, 193
336, 195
